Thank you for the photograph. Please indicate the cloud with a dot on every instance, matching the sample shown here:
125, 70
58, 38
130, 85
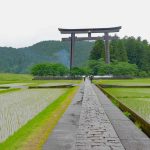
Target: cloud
24, 22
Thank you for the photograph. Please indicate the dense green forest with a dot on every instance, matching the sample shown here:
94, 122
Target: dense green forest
20, 60
128, 49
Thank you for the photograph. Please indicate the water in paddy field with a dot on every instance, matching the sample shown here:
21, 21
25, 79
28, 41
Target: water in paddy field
137, 99
17, 108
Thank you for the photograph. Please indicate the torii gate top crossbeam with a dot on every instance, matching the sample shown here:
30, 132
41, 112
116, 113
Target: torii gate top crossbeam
91, 30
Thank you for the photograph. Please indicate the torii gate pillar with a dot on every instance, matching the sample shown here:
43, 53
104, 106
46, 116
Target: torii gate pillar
72, 50
107, 51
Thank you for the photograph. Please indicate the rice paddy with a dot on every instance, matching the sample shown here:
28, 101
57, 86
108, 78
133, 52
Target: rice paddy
54, 84
125, 82
17, 108
24, 113
35, 132
137, 99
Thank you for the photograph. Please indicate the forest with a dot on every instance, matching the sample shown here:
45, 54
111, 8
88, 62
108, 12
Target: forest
131, 56
125, 51
20, 60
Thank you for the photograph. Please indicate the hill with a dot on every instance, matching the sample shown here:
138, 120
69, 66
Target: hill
20, 60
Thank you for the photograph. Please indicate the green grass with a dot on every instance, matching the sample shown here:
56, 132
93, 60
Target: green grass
129, 92
2, 91
22, 106
139, 105
33, 135
53, 82
26, 79
35, 132
127, 82
13, 78
137, 99
127, 114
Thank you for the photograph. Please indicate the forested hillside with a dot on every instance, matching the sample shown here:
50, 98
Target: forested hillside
128, 49
20, 60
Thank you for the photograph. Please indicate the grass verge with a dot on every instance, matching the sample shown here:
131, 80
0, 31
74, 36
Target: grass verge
34, 134
13, 78
9, 90
125, 82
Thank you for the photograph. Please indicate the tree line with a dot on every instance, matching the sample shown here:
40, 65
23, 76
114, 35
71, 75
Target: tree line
55, 69
129, 56
20, 60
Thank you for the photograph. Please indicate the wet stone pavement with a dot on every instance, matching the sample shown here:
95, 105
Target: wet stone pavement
92, 122
95, 131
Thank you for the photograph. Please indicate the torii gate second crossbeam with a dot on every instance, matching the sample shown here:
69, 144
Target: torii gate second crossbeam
89, 31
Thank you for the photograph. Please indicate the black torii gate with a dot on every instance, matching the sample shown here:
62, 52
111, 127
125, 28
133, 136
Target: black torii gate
89, 31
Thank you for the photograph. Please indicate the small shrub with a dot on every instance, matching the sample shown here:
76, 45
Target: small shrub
127, 114
143, 74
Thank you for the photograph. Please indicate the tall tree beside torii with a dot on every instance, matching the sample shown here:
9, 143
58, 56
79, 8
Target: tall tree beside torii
89, 32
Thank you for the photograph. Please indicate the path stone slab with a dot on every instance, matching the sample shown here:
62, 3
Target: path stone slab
92, 122
130, 136
95, 130
64, 134
136, 144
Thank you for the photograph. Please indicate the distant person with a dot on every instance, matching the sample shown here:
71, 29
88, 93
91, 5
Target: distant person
91, 78
84, 78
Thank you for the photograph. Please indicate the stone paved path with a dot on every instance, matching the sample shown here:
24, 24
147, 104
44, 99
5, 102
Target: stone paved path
64, 134
92, 122
95, 130
131, 137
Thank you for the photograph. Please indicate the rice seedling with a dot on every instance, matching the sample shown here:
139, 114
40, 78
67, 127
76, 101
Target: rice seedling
35, 132
125, 82
2, 91
13, 84
137, 99
17, 108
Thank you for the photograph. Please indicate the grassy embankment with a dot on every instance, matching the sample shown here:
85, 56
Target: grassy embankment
8, 90
33, 135
8, 78
137, 99
127, 82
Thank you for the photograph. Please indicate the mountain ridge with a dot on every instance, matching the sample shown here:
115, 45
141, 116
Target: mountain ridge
19, 60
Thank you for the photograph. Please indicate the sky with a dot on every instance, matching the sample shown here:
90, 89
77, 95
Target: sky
26, 22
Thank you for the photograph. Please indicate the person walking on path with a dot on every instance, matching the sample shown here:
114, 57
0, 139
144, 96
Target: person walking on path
91, 78
84, 78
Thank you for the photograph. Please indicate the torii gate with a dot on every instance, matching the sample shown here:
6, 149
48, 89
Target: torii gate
89, 31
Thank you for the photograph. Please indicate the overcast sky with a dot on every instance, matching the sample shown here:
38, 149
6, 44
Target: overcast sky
25, 22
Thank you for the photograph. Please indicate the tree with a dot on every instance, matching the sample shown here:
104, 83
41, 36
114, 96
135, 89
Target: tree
98, 50
118, 50
94, 66
76, 71
49, 69
124, 68
128, 49
138, 52
104, 69
99, 67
